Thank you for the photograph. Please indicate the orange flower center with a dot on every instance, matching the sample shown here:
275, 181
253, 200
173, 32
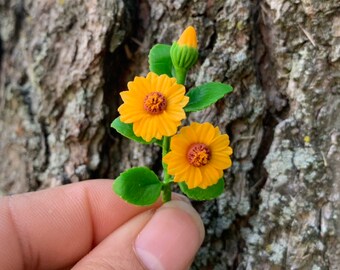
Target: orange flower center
154, 103
198, 154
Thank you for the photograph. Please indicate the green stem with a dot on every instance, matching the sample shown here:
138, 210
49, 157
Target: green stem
166, 195
181, 74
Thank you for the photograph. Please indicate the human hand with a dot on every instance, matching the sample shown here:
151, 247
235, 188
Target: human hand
86, 226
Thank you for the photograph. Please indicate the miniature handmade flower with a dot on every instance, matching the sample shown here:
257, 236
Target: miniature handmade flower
154, 105
198, 156
184, 53
153, 108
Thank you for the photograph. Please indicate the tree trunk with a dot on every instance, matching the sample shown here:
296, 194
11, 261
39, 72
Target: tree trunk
63, 63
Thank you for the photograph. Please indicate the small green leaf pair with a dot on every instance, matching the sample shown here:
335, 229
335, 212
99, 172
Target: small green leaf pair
141, 186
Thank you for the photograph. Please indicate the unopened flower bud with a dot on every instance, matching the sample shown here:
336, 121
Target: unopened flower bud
184, 52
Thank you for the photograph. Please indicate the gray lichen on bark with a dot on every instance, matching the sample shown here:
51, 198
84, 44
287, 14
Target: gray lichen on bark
63, 64
52, 89
291, 227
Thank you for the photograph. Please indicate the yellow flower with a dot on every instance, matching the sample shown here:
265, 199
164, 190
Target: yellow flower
198, 156
188, 38
154, 105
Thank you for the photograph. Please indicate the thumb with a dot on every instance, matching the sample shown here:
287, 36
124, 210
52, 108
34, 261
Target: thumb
165, 239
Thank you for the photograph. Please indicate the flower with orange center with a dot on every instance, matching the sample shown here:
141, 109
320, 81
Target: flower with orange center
154, 105
198, 156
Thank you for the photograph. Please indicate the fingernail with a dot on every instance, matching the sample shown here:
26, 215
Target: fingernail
170, 240
176, 196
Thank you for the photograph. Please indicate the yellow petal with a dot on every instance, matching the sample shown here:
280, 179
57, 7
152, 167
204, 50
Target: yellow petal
130, 116
179, 145
189, 134
220, 144
214, 176
193, 177
179, 169
175, 114
206, 133
175, 90
208, 179
145, 129
188, 37
220, 161
164, 84
139, 85
164, 124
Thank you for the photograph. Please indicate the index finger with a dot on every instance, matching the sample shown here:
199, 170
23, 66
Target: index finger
55, 228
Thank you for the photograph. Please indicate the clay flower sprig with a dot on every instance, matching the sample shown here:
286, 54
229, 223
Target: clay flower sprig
153, 108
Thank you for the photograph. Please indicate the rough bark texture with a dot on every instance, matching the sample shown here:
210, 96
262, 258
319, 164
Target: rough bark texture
63, 63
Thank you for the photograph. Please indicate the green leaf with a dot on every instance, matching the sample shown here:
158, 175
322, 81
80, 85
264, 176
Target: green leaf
200, 194
127, 131
139, 186
160, 60
206, 94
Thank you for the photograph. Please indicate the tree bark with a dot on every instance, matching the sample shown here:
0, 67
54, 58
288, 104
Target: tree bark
63, 64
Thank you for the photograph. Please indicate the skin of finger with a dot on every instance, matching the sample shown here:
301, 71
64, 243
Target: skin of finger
54, 228
173, 233
170, 240
116, 251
